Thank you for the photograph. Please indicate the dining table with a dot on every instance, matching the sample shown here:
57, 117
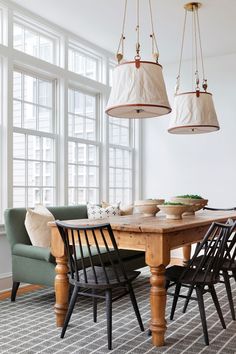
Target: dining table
157, 236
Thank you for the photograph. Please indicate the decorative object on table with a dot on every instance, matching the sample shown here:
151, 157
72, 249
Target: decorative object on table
148, 207
97, 212
124, 209
138, 89
174, 211
193, 111
97, 281
196, 202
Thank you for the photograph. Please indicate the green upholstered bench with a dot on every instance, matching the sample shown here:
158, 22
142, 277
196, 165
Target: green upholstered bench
36, 265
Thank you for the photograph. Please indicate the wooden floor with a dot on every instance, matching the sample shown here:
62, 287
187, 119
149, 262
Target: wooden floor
25, 289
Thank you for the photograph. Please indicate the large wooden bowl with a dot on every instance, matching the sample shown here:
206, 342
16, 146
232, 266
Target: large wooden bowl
196, 204
174, 212
148, 207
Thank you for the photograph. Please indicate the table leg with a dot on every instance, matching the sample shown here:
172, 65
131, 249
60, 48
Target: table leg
186, 254
61, 290
158, 305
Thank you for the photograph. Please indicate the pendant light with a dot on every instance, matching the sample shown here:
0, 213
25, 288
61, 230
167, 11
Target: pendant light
138, 89
193, 111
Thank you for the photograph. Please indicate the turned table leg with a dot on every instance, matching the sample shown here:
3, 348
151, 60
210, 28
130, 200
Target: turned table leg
158, 305
186, 254
61, 290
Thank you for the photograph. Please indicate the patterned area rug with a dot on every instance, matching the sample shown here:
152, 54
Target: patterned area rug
28, 326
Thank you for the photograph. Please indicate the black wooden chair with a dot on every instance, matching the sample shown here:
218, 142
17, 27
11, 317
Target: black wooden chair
203, 275
96, 281
228, 268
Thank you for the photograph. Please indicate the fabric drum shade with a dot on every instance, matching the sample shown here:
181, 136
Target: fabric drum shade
192, 114
138, 92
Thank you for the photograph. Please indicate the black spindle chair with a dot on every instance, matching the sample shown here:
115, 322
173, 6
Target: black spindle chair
202, 275
228, 268
96, 281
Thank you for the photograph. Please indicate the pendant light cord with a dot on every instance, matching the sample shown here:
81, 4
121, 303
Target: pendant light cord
138, 34
155, 50
120, 54
204, 85
196, 49
181, 54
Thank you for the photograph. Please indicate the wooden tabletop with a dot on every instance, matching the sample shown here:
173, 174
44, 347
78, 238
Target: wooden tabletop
158, 223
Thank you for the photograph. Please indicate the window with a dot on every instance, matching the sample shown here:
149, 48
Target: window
83, 148
31, 41
33, 141
84, 63
56, 144
120, 160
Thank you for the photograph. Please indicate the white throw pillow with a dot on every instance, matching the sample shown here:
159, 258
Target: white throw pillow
36, 221
124, 209
97, 212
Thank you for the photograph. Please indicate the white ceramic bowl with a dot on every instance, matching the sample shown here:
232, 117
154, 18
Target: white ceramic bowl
174, 212
196, 204
148, 207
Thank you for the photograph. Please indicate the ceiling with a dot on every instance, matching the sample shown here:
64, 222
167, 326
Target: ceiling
99, 21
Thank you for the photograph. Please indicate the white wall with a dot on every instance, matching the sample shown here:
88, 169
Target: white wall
195, 164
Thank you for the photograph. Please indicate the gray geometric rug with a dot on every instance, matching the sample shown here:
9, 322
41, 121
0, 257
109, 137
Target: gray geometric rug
28, 326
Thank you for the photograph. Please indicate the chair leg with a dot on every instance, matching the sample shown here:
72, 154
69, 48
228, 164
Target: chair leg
199, 292
175, 300
190, 291
135, 306
94, 307
217, 305
167, 284
109, 317
69, 311
229, 293
15, 287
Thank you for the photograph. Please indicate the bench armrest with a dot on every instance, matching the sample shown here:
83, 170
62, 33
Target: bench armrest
34, 252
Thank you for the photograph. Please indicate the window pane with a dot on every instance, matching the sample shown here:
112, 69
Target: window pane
17, 87
17, 119
31, 43
71, 175
30, 89
34, 173
18, 173
45, 120
45, 93
34, 196
48, 149
34, 147
29, 116
19, 195
18, 145
48, 174
46, 49
18, 37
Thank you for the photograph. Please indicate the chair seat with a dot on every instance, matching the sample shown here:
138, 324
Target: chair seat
101, 279
175, 273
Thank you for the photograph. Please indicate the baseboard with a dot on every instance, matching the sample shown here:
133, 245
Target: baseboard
5, 282
22, 290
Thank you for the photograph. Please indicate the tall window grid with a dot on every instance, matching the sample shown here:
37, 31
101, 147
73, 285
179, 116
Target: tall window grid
83, 147
120, 160
33, 141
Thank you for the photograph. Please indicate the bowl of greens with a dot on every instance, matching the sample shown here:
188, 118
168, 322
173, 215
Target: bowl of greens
174, 210
196, 202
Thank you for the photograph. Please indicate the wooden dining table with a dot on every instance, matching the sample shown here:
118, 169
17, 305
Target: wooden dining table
155, 235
